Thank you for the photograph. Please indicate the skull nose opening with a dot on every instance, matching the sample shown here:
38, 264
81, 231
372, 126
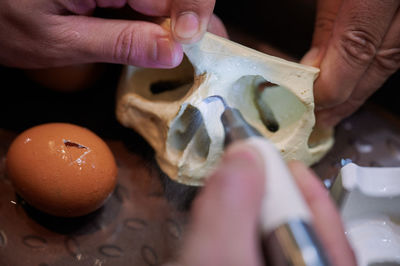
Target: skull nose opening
188, 131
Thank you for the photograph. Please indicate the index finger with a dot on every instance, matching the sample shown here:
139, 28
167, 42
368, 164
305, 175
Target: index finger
357, 35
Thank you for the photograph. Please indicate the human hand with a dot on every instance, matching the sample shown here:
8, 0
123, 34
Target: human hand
48, 33
225, 216
356, 44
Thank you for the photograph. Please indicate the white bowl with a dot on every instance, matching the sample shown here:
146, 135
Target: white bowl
369, 202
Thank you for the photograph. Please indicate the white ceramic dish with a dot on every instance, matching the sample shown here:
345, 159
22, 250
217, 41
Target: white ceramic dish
369, 201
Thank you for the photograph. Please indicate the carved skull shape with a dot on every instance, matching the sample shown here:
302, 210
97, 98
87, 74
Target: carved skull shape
274, 96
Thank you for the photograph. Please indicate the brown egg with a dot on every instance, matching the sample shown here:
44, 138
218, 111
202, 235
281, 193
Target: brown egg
62, 169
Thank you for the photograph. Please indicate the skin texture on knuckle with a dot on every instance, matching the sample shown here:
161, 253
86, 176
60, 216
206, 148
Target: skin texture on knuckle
127, 48
388, 60
61, 42
358, 47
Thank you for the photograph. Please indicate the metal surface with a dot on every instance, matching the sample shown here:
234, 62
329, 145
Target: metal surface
137, 226
235, 126
140, 224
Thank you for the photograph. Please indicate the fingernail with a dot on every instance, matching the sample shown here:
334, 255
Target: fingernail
166, 54
187, 25
311, 57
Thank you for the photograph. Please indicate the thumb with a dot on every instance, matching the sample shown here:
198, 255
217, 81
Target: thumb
324, 22
136, 43
313, 57
224, 222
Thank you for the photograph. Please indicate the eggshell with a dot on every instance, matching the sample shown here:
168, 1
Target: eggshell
61, 169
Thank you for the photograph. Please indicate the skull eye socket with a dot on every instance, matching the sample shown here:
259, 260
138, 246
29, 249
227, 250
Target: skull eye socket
267, 106
285, 106
163, 85
166, 85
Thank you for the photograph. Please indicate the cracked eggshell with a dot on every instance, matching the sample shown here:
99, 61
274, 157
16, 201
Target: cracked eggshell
162, 106
61, 169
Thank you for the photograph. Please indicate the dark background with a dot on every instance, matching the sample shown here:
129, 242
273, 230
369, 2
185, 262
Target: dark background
286, 25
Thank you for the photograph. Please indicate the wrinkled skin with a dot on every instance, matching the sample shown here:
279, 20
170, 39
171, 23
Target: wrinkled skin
48, 33
356, 44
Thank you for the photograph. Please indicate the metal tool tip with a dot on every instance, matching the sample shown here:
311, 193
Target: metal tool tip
214, 98
345, 162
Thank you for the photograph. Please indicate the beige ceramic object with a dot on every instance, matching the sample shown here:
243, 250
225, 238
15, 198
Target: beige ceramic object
274, 95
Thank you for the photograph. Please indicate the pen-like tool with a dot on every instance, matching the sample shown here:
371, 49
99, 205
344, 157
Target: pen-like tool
287, 235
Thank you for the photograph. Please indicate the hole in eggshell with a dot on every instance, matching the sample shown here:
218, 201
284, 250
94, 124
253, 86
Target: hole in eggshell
69, 143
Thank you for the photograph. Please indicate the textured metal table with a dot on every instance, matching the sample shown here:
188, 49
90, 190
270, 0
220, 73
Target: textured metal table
144, 221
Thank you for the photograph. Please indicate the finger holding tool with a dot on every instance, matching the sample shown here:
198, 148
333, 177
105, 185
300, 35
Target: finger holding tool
287, 235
